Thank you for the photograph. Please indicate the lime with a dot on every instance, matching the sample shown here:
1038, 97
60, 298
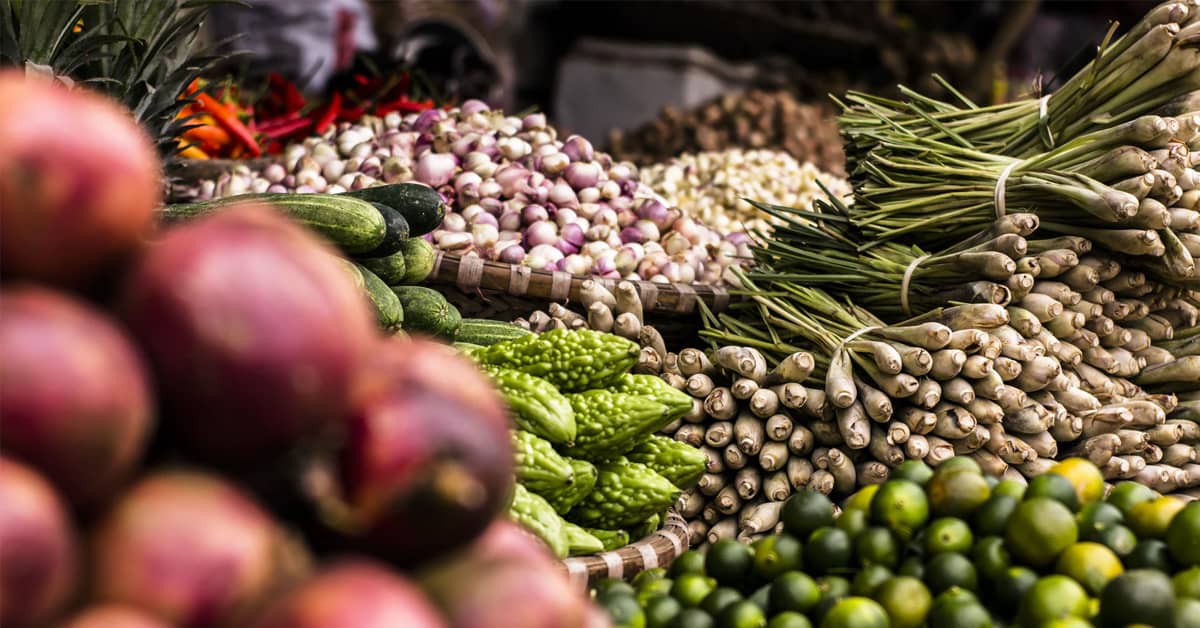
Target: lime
950, 570
1050, 598
912, 566
960, 614
1118, 538
691, 588
991, 517
1151, 518
762, 597
855, 612
743, 614
1183, 535
1068, 622
660, 610
1012, 488
649, 575
804, 512
623, 608
692, 618
793, 591
833, 588
1055, 487
1039, 530
651, 588
789, 619
1150, 554
729, 562
853, 521
1010, 588
959, 462
948, 534
956, 492
1097, 517
1125, 495
913, 471
720, 597
1187, 583
777, 554
861, 500
900, 506
990, 557
828, 549
1139, 596
1187, 613
1084, 476
869, 578
906, 601
877, 546
614, 585
1089, 564
691, 561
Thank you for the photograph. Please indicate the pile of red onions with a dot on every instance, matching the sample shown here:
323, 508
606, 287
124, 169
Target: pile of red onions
518, 193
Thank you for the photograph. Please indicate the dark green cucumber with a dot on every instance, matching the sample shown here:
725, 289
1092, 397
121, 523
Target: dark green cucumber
427, 311
420, 204
354, 225
397, 231
484, 332
388, 310
390, 268
418, 260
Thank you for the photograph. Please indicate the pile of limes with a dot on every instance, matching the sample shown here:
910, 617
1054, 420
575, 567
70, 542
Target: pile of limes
950, 548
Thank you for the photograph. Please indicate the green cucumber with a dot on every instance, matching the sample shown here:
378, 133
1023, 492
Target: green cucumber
388, 310
427, 311
418, 260
420, 204
484, 332
390, 268
354, 225
397, 231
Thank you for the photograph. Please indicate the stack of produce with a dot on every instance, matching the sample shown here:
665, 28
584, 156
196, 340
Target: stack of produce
713, 186
516, 193
757, 119
949, 548
268, 367
585, 449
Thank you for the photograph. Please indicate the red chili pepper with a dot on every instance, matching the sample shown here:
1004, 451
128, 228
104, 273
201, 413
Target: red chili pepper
229, 121
286, 128
329, 114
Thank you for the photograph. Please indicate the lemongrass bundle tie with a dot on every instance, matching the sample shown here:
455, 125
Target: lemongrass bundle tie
908, 273
864, 330
1042, 113
998, 193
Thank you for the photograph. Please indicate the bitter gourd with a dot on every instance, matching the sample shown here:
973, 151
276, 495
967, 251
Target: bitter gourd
626, 494
565, 498
608, 424
679, 462
572, 360
647, 527
532, 511
537, 405
538, 466
580, 542
612, 539
678, 403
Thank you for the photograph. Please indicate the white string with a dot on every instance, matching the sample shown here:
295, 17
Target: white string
1042, 114
998, 193
864, 330
908, 272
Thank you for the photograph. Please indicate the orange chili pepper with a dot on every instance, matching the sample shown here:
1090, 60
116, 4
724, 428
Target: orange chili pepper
230, 122
193, 152
209, 137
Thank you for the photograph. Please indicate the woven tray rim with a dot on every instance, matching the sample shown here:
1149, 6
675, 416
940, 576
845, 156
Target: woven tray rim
656, 550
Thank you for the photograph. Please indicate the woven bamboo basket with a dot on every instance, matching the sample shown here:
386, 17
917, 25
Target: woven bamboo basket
656, 550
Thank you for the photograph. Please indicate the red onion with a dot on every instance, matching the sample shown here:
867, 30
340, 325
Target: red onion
606, 263
582, 174
463, 145
629, 257
352, 594
739, 238
541, 232
565, 216
426, 119
630, 187
435, 169
454, 222
589, 195
40, 563
648, 230
563, 196
534, 121
512, 179
533, 213
572, 234
632, 234
651, 209
554, 163
484, 218
620, 173
510, 221
484, 235
514, 254
577, 148
543, 256
474, 106
606, 216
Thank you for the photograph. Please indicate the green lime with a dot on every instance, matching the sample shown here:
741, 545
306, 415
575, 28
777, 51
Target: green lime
789, 619
828, 550
991, 558
912, 566
693, 618
623, 608
991, 480
1055, 487
1187, 613
959, 462
743, 614
855, 612
869, 578
906, 601
1084, 476
955, 595
948, 534
877, 546
992, 516
804, 512
950, 570
1010, 588
1039, 530
1151, 518
901, 506
649, 575
1053, 597
660, 610
1125, 495
1012, 488
960, 614
1118, 538
913, 471
833, 588
777, 554
1068, 622
1187, 583
691, 588
614, 585
853, 521
762, 597
793, 591
861, 500
956, 492
691, 561
1183, 535
1150, 554
651, 588
729, 562
1096, 517
1089, 564
1139, 596
719, 599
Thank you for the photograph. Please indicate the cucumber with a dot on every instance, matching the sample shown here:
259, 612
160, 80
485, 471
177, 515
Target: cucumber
354, 225
388, 310
390, 268
427, 311
418, 260
396, 234
420, 204
484, 332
